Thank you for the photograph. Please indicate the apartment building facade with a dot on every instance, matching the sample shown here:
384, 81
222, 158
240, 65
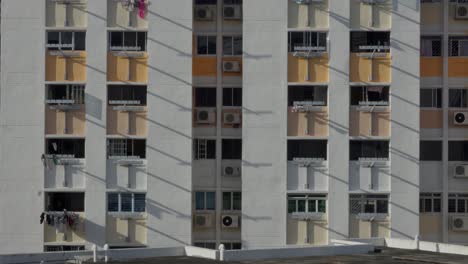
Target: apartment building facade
252, 123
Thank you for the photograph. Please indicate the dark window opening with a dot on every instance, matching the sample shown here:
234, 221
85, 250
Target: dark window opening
205, 2
126, 94
59, 201
75, 148
206, 45
368, 149
66, 40
431, 46
370, 41
232, 149
458, 98
204, 149
431, 97
369, 95
126, 148
205, 97
62, 94
315, 94
430, 150
458, 150
127, 41
307, 149
307, 41
232, 96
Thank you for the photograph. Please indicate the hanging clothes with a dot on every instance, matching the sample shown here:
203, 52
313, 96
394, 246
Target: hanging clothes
142, 9
42, 218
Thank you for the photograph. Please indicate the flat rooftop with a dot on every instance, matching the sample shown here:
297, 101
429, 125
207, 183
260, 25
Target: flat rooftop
386, 256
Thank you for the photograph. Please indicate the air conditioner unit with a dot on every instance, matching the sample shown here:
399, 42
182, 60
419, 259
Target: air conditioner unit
202, 220
459, 223
205, 116
231, 66
232, 12
204, 13
461, 11
231, 118
460, 118
231, 171
460, 171
230, 221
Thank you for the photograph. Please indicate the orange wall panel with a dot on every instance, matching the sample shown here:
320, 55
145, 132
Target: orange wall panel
60, 67
126, 123
124, 69
139, 69
204, 66
431, 119
308, 124
362, 68
297, 69
366, 124
458, 67
431, 66
73, 121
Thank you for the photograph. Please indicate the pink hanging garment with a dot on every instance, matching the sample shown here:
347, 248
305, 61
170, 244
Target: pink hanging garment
142, 9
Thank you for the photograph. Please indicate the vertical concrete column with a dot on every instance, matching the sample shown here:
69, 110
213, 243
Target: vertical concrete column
169, 142
95, 142
404, 99
264, 125
338, 141
22, 91
445, 121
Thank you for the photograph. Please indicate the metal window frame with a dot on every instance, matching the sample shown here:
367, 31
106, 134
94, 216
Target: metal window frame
308, 198
364, 198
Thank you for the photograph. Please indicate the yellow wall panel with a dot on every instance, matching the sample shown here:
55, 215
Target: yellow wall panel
308, 124
364, 69
431, 66
457, 67
204, 66
60, 68
297, 69
431, 118
126, 231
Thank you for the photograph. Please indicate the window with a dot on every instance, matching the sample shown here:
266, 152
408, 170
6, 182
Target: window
232, 45
126, 202
127, 41
204, 149
307, 149
457, 203
205, 200
458, 150
430, 203
430, 151
128, 148
232, 96
232, 245
307, 41
369, 95
205, 97
126, 94
458, 98
431, 46
232, 149
206, 45
307, 204
59, 93
458, 46
67, 148
370, 41
63, 248
66, 40
232, 201
316, 94
59, 201
368, 149
431, 97
369, 204
208, 245
205, 2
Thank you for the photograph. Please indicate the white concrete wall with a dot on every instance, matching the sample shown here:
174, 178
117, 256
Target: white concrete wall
65, 176
264, 123
95, 144
169, 143
22, 125
431, 174
316, 177
404, 143
338, 144
369, 179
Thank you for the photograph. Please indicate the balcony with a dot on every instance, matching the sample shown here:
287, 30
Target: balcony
66, 13
312, 15
370, 111
369, 216
127, 59
66, 56
368, 15
127, 110
68, 206
307, 57
370, 58
307, 111
131, 16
